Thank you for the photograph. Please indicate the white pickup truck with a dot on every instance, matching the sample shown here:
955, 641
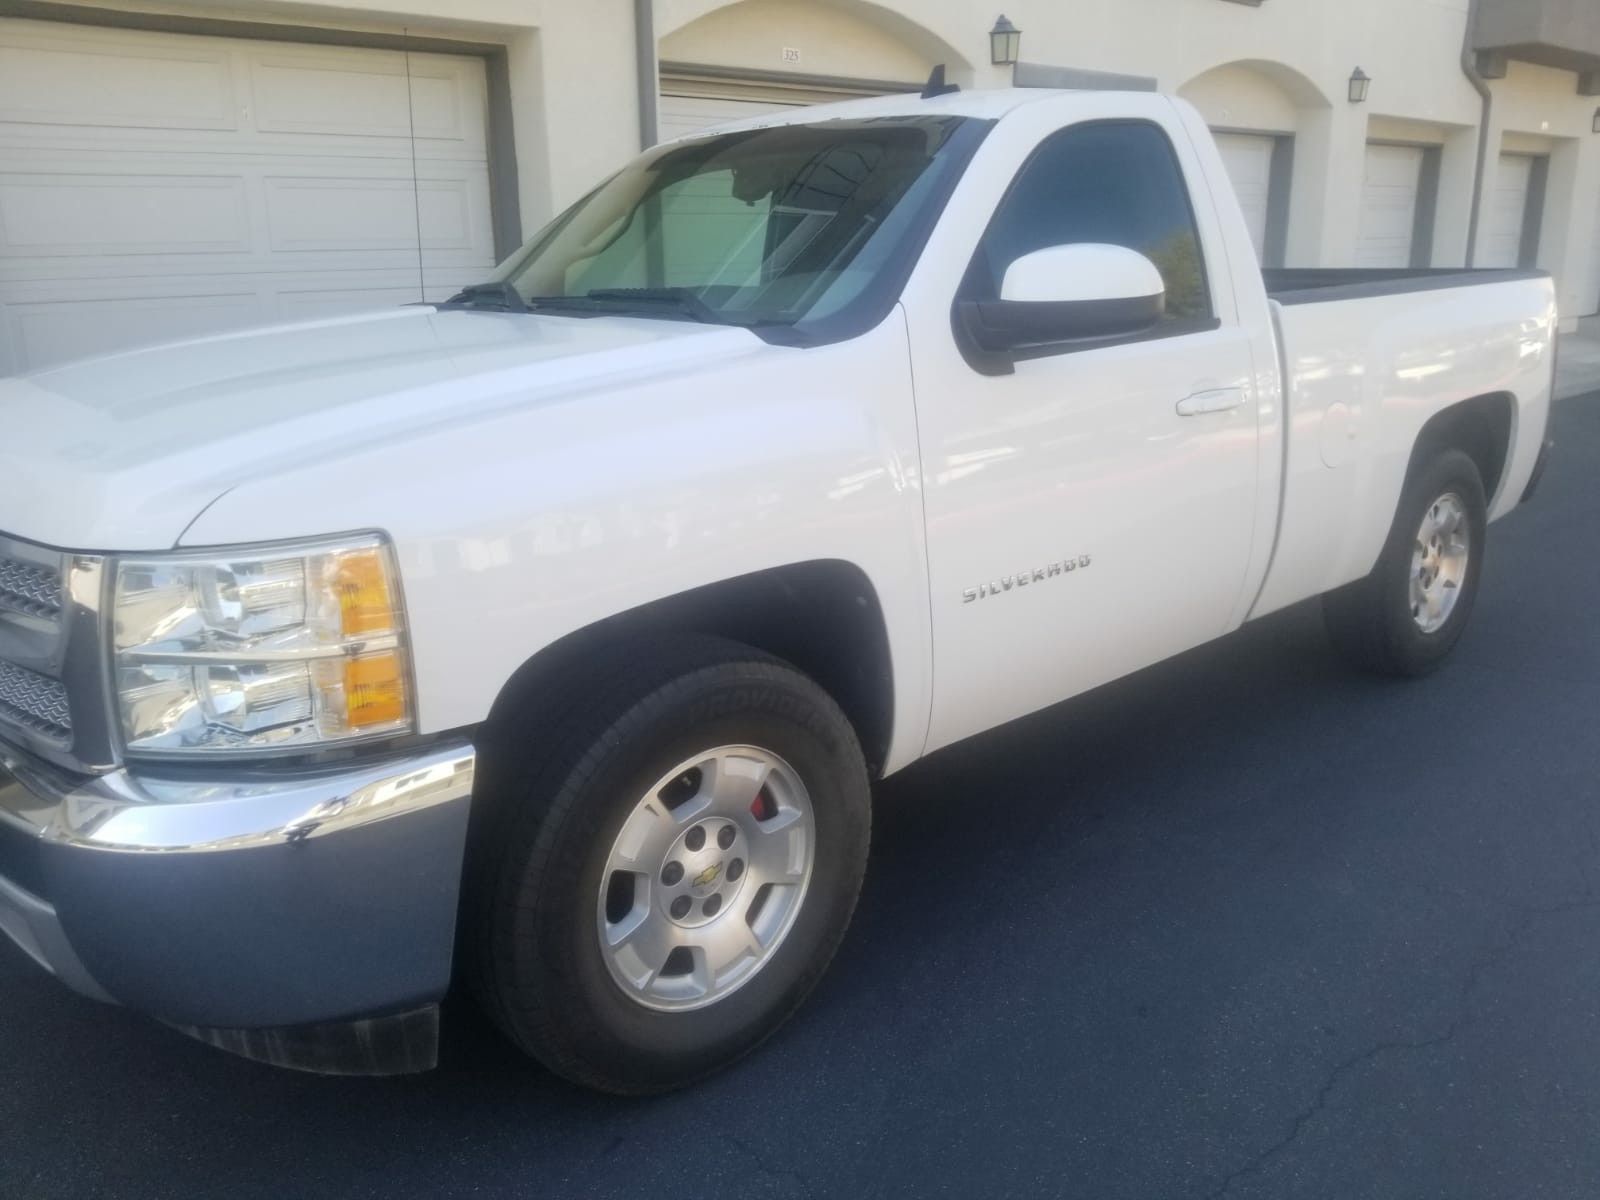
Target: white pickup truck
552, 637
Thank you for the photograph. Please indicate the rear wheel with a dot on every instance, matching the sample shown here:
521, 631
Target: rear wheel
1409, 612
679, 859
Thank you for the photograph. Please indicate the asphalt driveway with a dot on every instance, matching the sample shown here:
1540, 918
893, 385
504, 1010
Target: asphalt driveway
1246, 924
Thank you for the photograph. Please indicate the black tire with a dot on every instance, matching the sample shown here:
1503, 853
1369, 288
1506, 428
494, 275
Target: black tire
1370, 621
581, 767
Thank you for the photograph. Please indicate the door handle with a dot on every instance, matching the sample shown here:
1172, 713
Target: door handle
1215, 401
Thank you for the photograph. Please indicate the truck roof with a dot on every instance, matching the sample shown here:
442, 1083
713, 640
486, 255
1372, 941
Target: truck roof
989, 104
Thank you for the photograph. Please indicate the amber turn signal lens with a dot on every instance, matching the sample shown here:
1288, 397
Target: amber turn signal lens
374, 690
362, 584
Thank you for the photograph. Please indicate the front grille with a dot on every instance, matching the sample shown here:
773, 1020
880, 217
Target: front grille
29, 588
52, 668
34, 702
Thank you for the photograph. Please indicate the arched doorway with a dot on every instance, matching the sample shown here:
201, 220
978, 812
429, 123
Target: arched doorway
755, 56
1257, 109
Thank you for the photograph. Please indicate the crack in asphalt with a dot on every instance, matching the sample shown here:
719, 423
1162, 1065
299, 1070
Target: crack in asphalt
1474, 974
770, 1171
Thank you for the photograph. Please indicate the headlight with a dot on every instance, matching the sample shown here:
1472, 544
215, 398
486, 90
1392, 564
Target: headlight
281, 647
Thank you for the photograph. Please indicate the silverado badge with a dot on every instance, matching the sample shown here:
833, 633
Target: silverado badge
1024, 578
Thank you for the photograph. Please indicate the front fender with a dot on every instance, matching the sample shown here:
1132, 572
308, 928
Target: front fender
533, 520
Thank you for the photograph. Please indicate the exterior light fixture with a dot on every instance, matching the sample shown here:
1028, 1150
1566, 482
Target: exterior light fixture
1005, 39
1360, 81
1596, 125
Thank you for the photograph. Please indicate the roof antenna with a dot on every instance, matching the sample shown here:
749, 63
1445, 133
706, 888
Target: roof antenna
416, 199
936, 86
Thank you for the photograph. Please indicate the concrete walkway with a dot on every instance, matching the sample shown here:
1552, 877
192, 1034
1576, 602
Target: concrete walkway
1578, 366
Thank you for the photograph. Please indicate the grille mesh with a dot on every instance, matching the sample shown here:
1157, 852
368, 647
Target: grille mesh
34, 702
31, 589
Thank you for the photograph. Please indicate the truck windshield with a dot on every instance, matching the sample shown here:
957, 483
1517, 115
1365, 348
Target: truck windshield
776, 227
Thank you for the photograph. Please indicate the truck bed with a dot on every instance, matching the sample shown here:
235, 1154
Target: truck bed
1360, 381
1317, 285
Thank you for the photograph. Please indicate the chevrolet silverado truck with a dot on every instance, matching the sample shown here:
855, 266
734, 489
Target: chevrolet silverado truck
549, 639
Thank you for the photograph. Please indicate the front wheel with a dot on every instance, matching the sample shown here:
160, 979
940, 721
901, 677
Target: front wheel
682, 858
1409, 612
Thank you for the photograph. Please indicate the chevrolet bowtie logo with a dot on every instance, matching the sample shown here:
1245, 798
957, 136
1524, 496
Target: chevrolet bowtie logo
708, 876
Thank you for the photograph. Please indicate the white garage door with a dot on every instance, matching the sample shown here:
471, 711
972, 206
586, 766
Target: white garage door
1389, 190
155, 186
1506, 213
680, 115
688, 103
1248, 158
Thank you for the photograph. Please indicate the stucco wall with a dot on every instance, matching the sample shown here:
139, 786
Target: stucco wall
829, 40
1281, 67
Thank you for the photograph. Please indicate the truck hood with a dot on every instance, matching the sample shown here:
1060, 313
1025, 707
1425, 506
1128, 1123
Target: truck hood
122, 453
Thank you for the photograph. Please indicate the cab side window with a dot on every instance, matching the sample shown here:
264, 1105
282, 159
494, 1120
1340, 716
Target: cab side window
1108, 181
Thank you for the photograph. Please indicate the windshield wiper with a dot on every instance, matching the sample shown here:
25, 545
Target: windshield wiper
500, 296
499, 293
651, 300
684, 299
642, 301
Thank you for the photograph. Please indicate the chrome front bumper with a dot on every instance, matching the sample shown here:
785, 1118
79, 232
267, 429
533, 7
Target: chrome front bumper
226, 899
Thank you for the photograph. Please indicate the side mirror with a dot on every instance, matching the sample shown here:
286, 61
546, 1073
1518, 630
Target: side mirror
1068, 293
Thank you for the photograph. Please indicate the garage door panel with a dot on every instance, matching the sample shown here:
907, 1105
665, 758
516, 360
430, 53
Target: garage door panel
301, 203
128, 79
450, 213
53, 223
142, 269
313, 305
57, 330
1248, 160
79, 215
680, 115
306, 95
117, 84
52, 322
1506, 212
338, 214
442, 107
66, 145
1390, 189
689, 103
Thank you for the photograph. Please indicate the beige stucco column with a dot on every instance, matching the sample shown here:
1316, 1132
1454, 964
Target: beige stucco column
574, 103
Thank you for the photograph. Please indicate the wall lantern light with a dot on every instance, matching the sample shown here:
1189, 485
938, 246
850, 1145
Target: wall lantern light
1360, 81
1005, 39
1596, 125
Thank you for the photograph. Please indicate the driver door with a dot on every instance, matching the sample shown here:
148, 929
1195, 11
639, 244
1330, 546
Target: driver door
1086, 514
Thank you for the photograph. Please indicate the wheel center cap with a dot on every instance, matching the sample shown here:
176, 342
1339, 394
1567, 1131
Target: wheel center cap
703, 871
